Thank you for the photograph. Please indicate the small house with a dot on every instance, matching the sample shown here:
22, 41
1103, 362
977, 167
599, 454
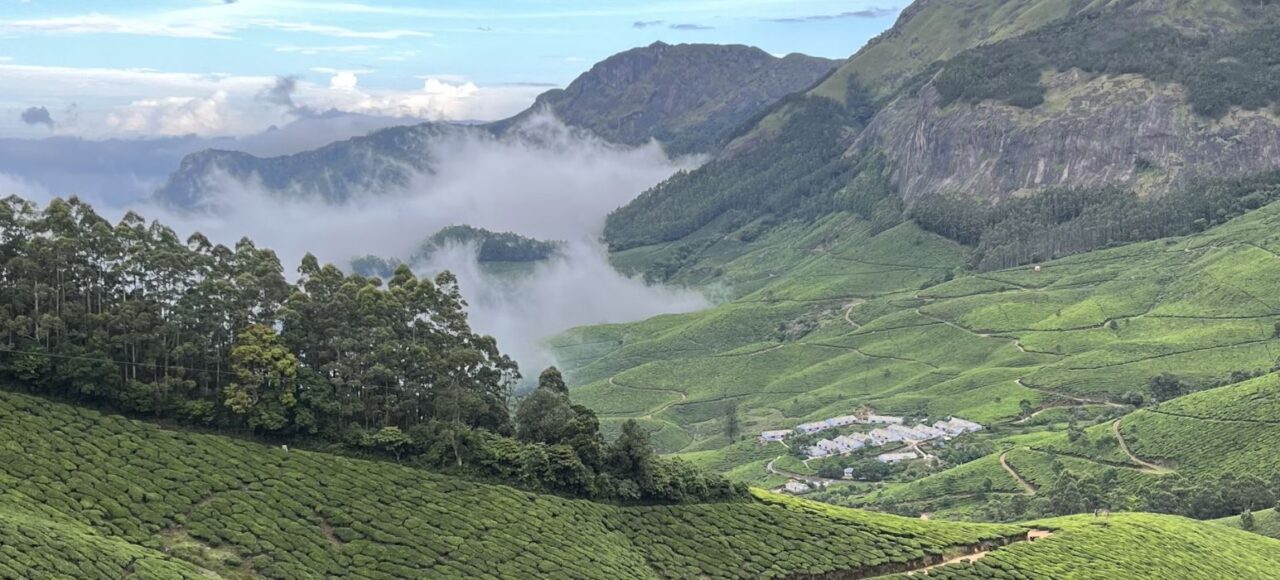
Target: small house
896, 457
808, 428
796, 486
831, 447
778, 435
843, 421
848, 473
884, 419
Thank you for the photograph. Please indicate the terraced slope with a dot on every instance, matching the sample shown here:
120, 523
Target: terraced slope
840, 318
1265, 522
88, 494
1127, 546
84, 494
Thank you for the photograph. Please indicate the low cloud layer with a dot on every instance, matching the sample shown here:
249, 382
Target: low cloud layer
549, 182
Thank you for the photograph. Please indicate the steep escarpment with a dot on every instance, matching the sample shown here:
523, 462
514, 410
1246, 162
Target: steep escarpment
989, 100
1091, 131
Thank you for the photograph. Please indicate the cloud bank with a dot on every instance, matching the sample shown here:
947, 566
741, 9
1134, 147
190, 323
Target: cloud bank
545, 181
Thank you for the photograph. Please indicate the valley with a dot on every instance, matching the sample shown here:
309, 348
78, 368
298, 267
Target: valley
993, 297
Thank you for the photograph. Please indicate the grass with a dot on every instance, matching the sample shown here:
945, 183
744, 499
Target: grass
84, 494
1265, 522
836, 319
1128, 546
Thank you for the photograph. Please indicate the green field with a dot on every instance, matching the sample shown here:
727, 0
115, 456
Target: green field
85, 494
867, 321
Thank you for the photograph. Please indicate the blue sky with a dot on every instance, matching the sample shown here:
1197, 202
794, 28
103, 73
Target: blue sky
167, 67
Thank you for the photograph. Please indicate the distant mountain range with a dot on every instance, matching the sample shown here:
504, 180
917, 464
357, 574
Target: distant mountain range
689, 97
115, 171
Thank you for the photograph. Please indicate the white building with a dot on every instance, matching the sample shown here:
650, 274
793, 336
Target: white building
849, 443
884, 419
844, 421
848, 473
778, 435
881, 436
954, 426
896, 457
831, 447
807, 428
796, 486
816, 452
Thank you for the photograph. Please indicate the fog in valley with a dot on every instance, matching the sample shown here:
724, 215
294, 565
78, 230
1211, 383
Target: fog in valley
542, 180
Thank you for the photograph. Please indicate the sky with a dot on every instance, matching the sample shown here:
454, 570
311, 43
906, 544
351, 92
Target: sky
151, 68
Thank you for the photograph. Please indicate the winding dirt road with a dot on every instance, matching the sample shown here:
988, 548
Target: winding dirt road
1026, 485
1115, 429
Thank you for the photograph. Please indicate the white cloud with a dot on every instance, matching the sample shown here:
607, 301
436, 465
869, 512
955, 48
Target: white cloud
173, 116
344, 81
310, 50
339, 31
131, 102
95, 23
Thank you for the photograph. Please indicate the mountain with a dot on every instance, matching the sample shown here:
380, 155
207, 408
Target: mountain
993, 100
122, 170
381, 161
128, 498
687, 96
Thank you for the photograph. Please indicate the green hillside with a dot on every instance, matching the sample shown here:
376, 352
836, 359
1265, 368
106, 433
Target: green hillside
1265, 522
838, 318
83, 494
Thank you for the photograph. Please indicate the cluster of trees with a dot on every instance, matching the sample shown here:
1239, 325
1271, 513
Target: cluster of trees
490, 246
1059, 222
132, 317
1219, 71
1228, 495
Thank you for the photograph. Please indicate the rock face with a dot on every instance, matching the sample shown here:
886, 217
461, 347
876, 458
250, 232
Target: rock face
688, 96
1090, 132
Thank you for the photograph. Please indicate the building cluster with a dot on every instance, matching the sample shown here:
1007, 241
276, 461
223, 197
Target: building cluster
892, 433
832, 423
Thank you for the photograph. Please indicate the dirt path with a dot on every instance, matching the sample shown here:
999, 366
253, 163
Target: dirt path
1032, 536
1026, 485
1115, 428
660, 408
1024, 385
953, 325
778, 471
849, 310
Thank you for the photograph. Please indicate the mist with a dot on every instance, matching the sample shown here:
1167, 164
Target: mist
542, 180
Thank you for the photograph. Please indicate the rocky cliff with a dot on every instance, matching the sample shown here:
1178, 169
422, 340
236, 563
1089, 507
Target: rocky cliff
1091, 131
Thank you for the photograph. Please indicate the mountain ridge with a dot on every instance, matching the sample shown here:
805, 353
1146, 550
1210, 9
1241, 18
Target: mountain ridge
687, 96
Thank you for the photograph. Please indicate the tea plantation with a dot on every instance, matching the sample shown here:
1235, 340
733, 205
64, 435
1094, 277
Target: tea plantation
836, 317
1128, 546
88, 495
